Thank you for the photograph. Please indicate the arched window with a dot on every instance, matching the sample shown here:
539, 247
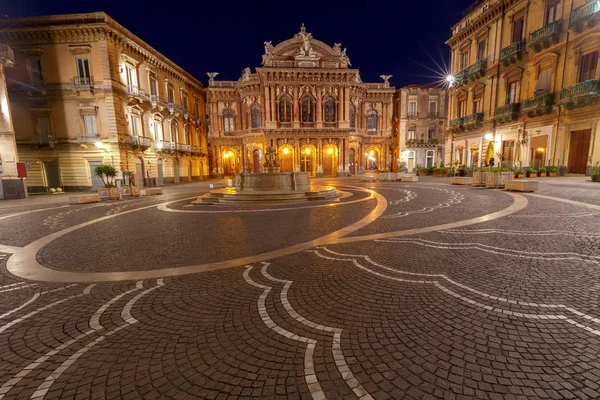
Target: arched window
329, 109
372, 121
174, 132
308, 109
255, 111
352, 116
188, 135
285, 109
431, 134
228, 121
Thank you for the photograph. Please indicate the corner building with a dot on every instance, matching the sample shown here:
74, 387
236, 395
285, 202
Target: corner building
526, 84
308, 104
85, 91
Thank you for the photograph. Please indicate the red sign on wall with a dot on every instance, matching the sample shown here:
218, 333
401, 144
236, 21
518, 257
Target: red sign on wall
21, 170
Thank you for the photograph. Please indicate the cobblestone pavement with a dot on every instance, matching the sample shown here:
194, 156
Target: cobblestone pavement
398, 291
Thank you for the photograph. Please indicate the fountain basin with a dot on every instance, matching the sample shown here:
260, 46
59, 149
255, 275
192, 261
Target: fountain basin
272, 181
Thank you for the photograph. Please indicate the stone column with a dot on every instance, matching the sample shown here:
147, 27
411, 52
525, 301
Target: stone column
267, 104
11, 187
296, 110
319, 158
347, 105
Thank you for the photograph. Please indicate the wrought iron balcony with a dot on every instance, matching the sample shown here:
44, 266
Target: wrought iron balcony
184, 147
539, 105
546, 36
43, 140
83, 81
582, 16
476, 71
513, 53
414, 143
580, 94
456, 125
461, 78
433, 115
171, 106
507, 113
140, 141
162, 145
473, 121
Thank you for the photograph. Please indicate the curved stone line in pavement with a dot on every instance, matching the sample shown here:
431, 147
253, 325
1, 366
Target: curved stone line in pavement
463, 286
336, 349
30, 212
567, 201
129, 320
165, 206
24, 264
540, 317
310, 375
493, 231
503, 251
94, 323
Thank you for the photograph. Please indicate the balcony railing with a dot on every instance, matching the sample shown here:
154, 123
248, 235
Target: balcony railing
412, 115
140, 141
184, 147
153, 99
42, 140
580, 94
171, 106
456, 125
473, 121
433, 115
513, 53
162, 145
307, 124
412, 143
539, 105
83, 81
546, 36
476, 71
196, 149
507, 113
582, 15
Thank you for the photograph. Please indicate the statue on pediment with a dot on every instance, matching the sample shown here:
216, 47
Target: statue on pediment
268, 57
344, 58
246, 74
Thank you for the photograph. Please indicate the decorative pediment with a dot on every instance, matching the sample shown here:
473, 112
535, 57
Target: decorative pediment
81, 49
304, 51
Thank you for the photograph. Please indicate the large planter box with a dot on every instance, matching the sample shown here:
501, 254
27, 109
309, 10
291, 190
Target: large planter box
109, 193
496, 179
386, 176
461, 180
478, 179
130, 191
522, 185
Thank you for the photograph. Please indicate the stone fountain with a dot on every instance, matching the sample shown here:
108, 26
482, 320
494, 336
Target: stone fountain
271, 186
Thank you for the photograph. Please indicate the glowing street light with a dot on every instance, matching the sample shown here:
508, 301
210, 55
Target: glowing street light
99, 144
330, 151
489, 136
307, 151
286, 151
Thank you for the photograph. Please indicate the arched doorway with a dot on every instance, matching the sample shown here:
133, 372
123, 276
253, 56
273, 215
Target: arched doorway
257, 161
229, 162
307, 159
410, 161
430, 158
176, 170
352, 161
139, 172
330, 156
372, 159
286, 159
161, 172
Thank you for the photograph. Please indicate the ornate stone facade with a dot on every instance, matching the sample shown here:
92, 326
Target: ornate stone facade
86, 91
527, 84
309, 104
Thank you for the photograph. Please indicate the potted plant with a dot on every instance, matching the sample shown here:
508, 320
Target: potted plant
519, 174
107, 173
479, 177
596, 173
542, 172
552, 170
531, 173
420, 170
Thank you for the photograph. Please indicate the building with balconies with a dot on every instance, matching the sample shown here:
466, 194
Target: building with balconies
420, 111
87, 91
307, 103
539, 92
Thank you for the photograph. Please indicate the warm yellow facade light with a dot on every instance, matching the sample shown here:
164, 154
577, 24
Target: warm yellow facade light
286, 151
372, 153
330, 151
307, 150
541, 149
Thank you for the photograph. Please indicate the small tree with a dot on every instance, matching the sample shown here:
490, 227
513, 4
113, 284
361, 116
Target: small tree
130, 177
500, 156
107, 173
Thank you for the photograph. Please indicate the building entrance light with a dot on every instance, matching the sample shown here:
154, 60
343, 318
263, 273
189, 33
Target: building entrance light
489, 136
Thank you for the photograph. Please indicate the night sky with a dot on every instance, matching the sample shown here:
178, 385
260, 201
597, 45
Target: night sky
382, 37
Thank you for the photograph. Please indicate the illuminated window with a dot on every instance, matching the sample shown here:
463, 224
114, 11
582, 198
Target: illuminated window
308, 109
285, 109
329, 109
228, 121
372, 121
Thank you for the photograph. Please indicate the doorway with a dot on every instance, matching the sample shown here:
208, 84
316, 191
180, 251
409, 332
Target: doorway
352, 161
176, 170
256, 161
430, 156
96, 180
578, 151
286, 160
139, 173
307, 160
410, 161
329, 161
52, 177
161, 172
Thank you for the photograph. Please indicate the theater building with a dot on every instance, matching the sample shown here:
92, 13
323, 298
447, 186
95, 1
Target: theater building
309, 104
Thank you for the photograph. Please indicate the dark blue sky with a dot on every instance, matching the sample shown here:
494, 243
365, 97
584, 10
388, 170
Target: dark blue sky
382, 37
